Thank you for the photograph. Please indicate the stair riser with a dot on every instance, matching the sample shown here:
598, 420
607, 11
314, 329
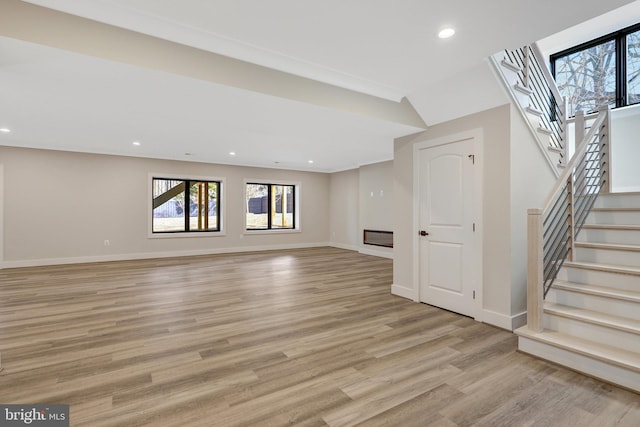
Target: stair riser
626, 237
595, 368
608, 256
611, 306
605, 335
619, 217
509, 75
521, 98
619, 200
627, 282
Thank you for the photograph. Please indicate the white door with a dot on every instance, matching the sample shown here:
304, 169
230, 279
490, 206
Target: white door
446, 226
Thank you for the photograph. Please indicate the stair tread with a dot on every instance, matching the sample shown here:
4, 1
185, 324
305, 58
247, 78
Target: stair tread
595, 290
533, 110
614, 355
611, 226
611, 268
523, 89
595, 317
608, 246
626, 209
555, 149
544, 130
510, 65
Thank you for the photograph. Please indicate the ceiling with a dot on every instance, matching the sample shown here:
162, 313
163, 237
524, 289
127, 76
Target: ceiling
343, 68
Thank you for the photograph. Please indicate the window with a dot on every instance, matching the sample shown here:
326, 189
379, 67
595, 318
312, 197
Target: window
184, 205
599, 72
270, 206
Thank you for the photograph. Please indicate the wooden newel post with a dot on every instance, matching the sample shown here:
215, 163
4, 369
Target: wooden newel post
534, 270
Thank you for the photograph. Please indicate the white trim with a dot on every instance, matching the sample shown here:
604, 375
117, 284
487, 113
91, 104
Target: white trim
376, 252
403, 292
272, 231
181, 177
504, 321
151, 255
187, 235
478, 172
344, 246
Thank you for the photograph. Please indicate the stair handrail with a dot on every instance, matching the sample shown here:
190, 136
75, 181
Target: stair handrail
552, 229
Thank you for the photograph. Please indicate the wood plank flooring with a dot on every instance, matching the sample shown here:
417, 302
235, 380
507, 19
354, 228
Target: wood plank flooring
307, 337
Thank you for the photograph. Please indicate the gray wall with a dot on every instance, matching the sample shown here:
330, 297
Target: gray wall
61, 206
362, 199
344, 209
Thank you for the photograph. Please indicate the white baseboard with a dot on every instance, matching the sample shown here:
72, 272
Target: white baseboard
403, 292
504, 321
344, 246
151, 255
376, 252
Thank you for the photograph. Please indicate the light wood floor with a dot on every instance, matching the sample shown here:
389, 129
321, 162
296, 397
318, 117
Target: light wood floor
307, 337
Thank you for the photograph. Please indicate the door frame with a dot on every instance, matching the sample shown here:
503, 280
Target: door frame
477, 136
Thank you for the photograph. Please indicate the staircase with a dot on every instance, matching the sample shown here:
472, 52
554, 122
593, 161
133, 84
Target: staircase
535, 94
591, 314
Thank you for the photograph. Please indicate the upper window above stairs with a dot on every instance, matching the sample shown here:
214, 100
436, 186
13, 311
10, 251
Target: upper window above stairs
605, 71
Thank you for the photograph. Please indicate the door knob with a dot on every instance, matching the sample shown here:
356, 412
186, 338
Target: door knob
423, 233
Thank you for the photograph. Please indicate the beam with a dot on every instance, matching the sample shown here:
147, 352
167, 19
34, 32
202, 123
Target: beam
37, 24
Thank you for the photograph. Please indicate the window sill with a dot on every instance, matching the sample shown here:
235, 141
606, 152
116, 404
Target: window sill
272, 231
179, 235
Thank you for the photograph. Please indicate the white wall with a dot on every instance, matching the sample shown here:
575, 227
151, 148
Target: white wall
344, 209
376, 203
625, 149
61, 206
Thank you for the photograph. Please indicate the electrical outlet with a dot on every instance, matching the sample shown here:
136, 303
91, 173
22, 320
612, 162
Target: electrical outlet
107, 243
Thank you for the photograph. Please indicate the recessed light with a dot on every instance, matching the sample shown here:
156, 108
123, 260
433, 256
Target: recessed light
445, 33
137, 143
232, 153
5, 130
310, 162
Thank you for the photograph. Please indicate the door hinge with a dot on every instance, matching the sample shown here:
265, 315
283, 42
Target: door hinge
473, 158
474, 294
474, 227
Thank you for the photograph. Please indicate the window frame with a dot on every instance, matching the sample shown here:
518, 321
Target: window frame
620, 39
296, 207
220, 207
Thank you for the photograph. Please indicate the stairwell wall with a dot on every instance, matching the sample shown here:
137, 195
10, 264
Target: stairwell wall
531, 179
